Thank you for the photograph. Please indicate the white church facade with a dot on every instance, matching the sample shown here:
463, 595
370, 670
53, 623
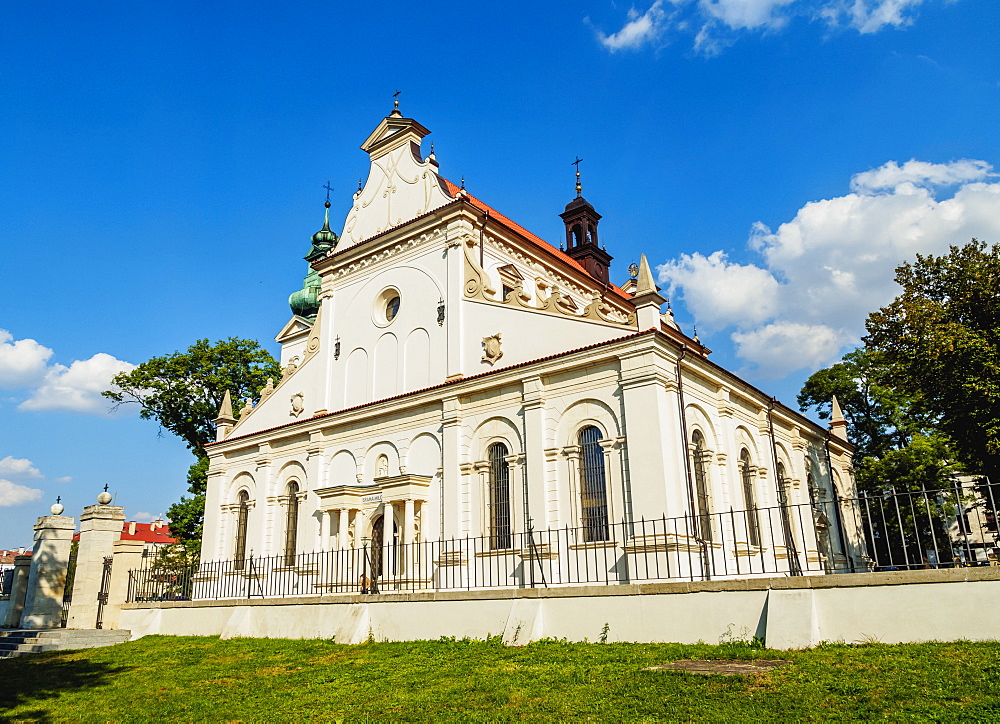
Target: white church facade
459, 394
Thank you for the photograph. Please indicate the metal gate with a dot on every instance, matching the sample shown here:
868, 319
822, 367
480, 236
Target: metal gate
102, 595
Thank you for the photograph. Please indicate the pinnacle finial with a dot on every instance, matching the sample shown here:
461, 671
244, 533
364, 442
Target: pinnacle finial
395, 104
644, 278
838, 425
329, 189
226, 409
695, 335
579, 186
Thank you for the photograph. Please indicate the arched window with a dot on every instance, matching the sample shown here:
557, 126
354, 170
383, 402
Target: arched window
242, 518
701, 485
593, 485
747, 472
291, 523
500, 532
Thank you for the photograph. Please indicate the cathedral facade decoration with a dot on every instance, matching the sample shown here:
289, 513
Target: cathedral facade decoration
447, 373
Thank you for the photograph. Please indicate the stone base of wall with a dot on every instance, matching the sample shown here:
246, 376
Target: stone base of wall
930, 605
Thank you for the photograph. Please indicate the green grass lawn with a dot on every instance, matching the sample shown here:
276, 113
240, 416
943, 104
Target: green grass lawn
205, 679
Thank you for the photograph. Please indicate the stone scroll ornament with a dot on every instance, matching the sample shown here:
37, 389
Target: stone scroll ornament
491, 348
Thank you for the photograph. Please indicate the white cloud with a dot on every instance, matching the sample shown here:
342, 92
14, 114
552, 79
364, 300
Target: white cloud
745, 13
22, 362
639, 30
820, 274
145, 517
920, 173
788, 345
65, 479
725, 293
12, 494
870, 16
19, 468
717, 23
77, 388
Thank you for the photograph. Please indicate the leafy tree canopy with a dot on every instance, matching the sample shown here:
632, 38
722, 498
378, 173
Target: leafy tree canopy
879, 418
183, 391
940, 340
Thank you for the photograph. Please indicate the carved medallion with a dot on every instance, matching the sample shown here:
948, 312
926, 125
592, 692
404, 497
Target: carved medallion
298, 404
491, 348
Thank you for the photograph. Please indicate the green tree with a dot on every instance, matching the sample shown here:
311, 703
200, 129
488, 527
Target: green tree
899, 446
182, 392
940, 339
878, 417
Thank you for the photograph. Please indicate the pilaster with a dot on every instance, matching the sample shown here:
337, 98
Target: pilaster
533, 401
653, 417
451, 480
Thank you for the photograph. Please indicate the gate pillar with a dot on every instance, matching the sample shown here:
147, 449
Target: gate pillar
100, 526
47, 575
127, 556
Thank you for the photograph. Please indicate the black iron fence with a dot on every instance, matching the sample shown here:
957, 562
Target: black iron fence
890, 531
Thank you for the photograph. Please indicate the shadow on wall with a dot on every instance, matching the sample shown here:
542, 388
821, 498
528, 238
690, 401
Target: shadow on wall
31, 680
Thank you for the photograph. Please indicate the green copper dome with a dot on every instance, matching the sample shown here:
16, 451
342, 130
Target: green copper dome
323, 240
305, 302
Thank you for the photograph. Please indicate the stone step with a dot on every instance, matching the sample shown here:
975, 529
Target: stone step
19, 642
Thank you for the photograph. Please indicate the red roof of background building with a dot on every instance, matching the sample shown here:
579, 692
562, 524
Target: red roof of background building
7, 556
155, 532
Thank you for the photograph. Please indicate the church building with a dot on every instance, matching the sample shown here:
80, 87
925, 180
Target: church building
459, 395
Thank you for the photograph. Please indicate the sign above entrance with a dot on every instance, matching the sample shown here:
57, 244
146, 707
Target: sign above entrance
373, 498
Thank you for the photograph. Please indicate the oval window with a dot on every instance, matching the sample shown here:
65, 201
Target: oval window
391, 308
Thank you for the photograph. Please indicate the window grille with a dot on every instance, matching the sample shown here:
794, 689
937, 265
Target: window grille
593, 485
242, 519
291, 524
703, 502
500, 530
747, 474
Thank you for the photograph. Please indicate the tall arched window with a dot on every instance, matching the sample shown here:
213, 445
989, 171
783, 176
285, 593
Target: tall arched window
701, 486
747, 475
291, 523
593, 485
500, 532
242, 518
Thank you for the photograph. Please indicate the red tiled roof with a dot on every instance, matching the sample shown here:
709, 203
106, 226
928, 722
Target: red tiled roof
155, 532
7, 556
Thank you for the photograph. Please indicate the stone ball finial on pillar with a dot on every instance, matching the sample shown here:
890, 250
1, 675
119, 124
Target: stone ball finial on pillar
57, 508
105, 497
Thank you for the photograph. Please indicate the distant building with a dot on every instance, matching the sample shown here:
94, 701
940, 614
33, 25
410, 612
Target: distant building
154, 535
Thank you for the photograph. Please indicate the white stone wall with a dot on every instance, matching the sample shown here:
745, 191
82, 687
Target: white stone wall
787, 613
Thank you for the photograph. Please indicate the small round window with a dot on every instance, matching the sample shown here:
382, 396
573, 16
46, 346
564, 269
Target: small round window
386, 307
392, 308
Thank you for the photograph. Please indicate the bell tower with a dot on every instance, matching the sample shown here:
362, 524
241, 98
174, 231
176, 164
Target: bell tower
581, 221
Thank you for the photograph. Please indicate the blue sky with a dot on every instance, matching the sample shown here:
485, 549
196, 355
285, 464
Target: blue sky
161, 169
